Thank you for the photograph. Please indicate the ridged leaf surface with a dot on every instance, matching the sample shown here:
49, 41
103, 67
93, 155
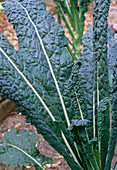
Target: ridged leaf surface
101, 85
86, 70
20, 149
113, 130
35, 76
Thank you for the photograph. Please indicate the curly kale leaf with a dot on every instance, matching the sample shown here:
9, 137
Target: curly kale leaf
20, 149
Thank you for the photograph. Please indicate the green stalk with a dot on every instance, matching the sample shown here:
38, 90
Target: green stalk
1, 9
89, 163
71, 54
76, 17
69, 13
68, 7
86, 131
65, 21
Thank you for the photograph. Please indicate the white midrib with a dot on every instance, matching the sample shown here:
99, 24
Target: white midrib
97, 87
62, 102
99, 142
63, 136
94, 108
81, 114
68, 146
94, 129
50, 66
56, 84
30, 85
8, 144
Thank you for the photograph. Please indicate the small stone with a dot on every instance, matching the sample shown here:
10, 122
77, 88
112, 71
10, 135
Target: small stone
17, 126
28, 167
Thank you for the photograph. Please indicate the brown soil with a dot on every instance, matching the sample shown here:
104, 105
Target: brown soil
18, 122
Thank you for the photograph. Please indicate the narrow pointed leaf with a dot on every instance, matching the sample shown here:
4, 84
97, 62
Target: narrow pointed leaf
86, 72
101, 85
113, 130
102, 117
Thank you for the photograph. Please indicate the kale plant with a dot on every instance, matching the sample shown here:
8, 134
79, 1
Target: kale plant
68, 103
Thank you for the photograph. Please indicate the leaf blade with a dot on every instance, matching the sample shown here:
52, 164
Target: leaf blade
30, 60
101, 70
14, 150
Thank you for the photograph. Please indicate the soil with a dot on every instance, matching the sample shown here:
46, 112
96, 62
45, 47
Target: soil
18, 122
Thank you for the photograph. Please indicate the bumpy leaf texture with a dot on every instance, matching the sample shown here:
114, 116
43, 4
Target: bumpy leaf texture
86, 70
88, 62
36, 76
112, 51
20, 149
113, 131
101, 85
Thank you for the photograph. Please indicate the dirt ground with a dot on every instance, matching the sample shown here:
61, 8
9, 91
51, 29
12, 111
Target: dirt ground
18, 122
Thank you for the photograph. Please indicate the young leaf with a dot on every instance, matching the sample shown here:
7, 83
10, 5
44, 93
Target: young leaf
86, 70
101, 72
85, 147
101, 85
113, 131
20, 149
101, 117
112, 50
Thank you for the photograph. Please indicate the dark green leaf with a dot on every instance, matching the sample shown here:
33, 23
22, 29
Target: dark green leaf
87, 68
112, 51
78, 123
113, 131
101, 117
20, 149
35, 76
101, 85
86, 72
